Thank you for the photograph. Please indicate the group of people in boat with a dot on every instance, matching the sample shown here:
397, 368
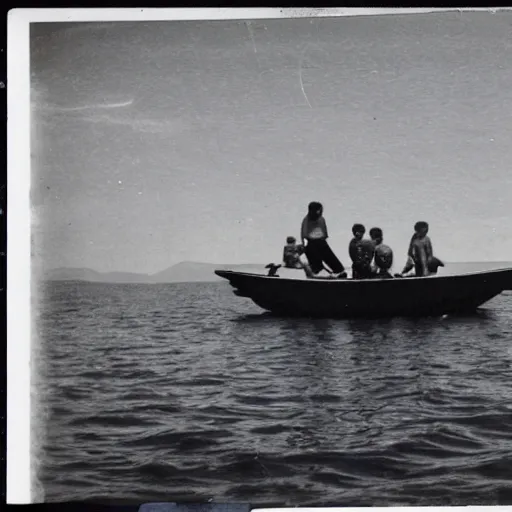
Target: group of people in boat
371, 257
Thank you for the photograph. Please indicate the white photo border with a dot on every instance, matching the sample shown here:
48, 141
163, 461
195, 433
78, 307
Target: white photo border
19, 316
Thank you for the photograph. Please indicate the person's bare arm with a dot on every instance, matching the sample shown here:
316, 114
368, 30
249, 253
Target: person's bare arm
424, 259
324, 226
410, 251
352, 251
429, 250
304, 231
408, 265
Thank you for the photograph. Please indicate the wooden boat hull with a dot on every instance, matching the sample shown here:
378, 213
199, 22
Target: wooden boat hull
425, 296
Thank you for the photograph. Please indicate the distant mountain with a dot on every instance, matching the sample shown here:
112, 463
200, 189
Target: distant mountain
72, 274
87, 274
188, 271
182, 272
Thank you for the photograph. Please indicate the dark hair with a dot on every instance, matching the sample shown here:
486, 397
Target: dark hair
376, 233
290, 239
358, 228
420, 225
315, 210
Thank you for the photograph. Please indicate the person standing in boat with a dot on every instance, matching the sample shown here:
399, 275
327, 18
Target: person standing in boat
314, 236
361, 253
383, 258
420, 255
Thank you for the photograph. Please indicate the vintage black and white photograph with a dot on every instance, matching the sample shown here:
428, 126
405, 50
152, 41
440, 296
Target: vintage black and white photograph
271, 260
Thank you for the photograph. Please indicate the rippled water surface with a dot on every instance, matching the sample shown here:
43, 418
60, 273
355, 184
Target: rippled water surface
165, 392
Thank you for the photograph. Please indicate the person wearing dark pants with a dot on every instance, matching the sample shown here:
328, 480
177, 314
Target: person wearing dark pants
318, 252
314, 235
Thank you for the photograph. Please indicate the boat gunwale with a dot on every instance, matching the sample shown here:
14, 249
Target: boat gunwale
227, 272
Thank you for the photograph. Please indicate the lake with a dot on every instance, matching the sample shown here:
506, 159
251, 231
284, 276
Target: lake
185, 391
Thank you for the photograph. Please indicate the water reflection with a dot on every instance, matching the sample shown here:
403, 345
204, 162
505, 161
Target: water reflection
342, 378
317, 349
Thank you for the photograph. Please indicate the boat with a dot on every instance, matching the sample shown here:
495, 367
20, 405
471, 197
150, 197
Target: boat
434, 295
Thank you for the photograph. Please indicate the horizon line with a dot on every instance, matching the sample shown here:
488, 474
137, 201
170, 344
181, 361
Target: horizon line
224, 264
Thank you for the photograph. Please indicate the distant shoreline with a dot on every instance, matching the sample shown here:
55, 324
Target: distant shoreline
189, 272
145, 283
183, 272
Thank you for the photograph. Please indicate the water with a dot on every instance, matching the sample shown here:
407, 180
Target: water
184, 391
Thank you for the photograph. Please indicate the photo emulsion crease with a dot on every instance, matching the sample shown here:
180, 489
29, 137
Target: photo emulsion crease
271, 261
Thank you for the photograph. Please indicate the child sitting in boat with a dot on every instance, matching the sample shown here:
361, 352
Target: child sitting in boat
383, 258
292, 253
420, 255
314, 235
361, 253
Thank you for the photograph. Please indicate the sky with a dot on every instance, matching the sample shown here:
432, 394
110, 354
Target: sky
160, 142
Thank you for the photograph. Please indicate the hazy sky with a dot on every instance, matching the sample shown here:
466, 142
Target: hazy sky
157, 142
